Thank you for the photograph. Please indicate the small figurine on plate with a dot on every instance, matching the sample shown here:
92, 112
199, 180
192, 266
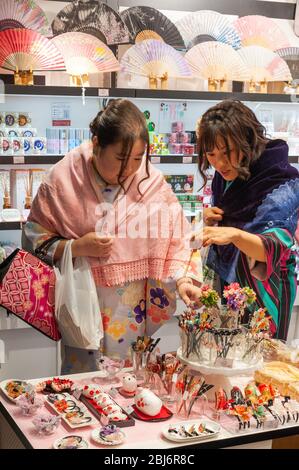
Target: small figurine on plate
70, 442
129, 385
108, 435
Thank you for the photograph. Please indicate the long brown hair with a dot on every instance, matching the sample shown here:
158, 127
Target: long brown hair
230, 119
121, 121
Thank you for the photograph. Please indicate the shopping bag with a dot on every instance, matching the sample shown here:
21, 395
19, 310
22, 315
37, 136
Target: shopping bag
27, 288
77, 308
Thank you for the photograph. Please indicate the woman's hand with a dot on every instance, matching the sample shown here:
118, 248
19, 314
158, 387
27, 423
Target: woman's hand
188, 292
220, 235
93, 245
212, 215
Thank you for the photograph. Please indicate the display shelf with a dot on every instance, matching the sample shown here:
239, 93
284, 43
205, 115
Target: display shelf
11, 225
52, 159
41, 90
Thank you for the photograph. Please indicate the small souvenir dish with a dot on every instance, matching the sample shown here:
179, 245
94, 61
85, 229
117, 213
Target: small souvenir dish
73, 412
46, 424
189, 431
70, 442
108, 435
29, 403
12, 389
55, 385
110, 367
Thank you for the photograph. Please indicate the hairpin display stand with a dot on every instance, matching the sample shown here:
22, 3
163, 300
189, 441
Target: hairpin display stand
221, 377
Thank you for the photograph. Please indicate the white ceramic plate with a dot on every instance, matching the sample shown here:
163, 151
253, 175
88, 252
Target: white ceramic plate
77, 404
211, 425
95, 436
73, 442
5, 382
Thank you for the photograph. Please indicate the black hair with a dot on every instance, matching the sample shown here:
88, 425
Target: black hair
121, 121
231, 119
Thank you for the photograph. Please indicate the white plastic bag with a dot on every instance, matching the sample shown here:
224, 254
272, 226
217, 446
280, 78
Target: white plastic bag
77, 308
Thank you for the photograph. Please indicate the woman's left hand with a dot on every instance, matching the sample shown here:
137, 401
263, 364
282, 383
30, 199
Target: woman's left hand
189, 293
220, 235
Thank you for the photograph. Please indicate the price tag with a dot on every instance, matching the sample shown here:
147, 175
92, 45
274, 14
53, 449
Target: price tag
175, 378
77, 393
103, 91
187, 159
128, 409
155, 160
18, 160
113, 392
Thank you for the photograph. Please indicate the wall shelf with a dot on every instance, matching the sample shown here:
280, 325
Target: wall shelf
40, 90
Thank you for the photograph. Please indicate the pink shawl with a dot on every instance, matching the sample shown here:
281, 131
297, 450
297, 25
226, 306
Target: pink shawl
68, 204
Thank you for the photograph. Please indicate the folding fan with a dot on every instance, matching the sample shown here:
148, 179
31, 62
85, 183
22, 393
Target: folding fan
91, 17
216, 61
197, 27
24, 49
154, 59
257, 30
84, 54
264, 65
149, 23
291, 56
23, 14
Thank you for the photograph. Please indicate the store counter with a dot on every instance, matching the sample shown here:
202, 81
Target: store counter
17, 431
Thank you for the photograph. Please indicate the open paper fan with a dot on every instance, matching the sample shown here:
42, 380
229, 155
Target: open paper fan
24, 49
197, 27
217, 61
152, 57
84, 54
257, 30
91, 17
23, 14
264, 65
291, 56
149, 23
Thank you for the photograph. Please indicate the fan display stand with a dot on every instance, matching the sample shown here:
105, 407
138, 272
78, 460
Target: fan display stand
221, 377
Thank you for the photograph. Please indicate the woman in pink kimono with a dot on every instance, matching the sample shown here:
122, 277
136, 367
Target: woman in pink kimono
123, 216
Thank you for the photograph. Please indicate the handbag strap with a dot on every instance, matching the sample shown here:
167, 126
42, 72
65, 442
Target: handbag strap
42, 250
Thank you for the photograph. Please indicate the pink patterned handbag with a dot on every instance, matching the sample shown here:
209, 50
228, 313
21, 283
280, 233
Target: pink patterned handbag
27, 289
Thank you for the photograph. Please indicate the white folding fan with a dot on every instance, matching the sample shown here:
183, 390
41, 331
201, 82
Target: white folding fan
23, 14
149, 23
257, 30
92, 17
216, 61
264, 65
201, 26
154, 59
84, 54
291, 56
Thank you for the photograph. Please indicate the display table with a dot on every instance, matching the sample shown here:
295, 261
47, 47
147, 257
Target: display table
17, 431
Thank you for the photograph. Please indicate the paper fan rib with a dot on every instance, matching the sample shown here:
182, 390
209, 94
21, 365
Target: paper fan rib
154, 57
85, 54
23, 14
218, 61
257, 30
197, 26
25, 49
91, 17
264, 64
148, 23
291, 56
